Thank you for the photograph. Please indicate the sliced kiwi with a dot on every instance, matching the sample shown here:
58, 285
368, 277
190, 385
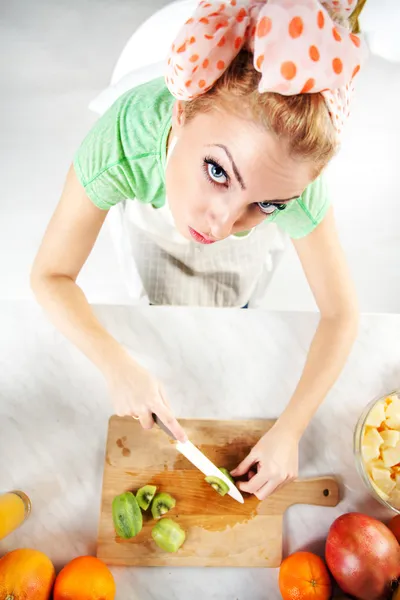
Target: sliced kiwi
227, 474
161, 504
145, 495
127, 516
218, 485
168, 535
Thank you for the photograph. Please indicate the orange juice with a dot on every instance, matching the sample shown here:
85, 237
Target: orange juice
14, 509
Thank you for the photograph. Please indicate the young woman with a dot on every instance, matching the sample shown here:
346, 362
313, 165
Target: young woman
229, 149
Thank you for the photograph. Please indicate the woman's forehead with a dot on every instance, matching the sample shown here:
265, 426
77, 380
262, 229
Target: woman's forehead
257, 153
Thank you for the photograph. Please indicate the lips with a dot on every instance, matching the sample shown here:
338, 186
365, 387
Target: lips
200, 238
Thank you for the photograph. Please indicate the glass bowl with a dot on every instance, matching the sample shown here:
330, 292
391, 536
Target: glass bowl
360, 462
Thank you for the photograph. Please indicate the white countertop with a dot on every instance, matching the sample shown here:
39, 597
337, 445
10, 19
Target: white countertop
214, 364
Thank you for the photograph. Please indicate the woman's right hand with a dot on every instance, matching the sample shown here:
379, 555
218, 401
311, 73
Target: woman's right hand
136, 393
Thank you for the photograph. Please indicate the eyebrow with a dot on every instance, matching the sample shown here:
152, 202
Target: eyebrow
240, 178
233, 164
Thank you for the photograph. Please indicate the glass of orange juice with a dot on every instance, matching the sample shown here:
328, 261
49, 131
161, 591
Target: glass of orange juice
15, 508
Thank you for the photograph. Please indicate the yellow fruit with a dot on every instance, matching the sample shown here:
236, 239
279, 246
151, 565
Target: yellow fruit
391, 456
383, 480
390, 438
376, 416
393, 413
371, 444
394, 498
379, 491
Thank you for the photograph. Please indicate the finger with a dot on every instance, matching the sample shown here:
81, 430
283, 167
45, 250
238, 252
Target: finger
244, 466
120, 412
179, 431
250, 474
122, 409
254, 484
146, 420
164, 397
268, 488
169, 420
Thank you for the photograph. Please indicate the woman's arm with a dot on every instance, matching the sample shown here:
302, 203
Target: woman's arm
324, 264
67, 244
325, 267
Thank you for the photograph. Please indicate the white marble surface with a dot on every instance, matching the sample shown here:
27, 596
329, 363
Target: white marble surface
214, 363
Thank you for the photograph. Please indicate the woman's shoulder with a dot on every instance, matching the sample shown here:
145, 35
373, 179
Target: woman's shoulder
305, 213
126, 146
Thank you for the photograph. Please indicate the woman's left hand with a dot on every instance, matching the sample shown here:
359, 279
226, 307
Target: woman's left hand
276, 456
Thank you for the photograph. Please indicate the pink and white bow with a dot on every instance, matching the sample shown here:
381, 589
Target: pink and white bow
297, 48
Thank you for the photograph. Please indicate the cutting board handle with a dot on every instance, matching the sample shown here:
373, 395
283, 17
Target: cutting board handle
320, 491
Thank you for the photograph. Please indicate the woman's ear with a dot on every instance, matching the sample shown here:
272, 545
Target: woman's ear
178, 115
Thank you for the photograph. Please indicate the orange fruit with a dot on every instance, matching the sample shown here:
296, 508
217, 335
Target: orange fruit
26, 575
85, 578
304, 576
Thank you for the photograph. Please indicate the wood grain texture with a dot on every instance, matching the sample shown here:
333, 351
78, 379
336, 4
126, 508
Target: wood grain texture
219, 530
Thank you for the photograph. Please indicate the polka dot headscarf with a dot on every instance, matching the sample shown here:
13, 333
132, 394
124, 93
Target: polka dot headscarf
298, 49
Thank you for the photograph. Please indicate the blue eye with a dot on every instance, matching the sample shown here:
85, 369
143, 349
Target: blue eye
267, 208
215, 172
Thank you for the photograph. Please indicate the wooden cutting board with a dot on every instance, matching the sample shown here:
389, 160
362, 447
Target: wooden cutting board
219, 531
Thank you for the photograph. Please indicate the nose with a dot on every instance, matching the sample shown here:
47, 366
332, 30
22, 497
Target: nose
221, 217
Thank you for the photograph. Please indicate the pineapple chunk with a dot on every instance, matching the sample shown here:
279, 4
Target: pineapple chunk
393, 413
376, 415
380, 492
391, 456
390, 438
371, 444
383, 480
394, 498
377, 464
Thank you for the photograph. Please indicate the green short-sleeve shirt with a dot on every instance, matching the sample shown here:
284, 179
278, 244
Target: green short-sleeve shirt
124, 155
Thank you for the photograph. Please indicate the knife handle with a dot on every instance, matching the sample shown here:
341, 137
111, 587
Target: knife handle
161, 425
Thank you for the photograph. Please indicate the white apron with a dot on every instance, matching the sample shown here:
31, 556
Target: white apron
174, 271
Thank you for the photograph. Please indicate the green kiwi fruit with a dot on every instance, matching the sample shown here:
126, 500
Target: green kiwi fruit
168, 535
218, 485
161, 504
227, 474
127, 516
145, 495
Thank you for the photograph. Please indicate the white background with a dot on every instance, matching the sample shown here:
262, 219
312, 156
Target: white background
58, 55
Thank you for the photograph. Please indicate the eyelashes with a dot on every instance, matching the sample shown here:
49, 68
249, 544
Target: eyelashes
268, 208
218, 177
215, 173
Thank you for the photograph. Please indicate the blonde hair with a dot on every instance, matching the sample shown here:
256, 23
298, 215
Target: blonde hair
301, 121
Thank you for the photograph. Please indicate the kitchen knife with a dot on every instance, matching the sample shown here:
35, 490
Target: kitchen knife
200, 460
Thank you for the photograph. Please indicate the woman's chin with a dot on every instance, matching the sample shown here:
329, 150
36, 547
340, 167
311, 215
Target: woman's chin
184, 231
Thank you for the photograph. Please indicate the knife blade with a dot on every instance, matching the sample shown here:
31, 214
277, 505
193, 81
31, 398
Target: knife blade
204, 464
200, 461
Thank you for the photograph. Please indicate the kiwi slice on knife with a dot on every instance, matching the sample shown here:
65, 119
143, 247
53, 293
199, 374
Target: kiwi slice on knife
168, 535
227, 474
145, 495
161, 504
218, 485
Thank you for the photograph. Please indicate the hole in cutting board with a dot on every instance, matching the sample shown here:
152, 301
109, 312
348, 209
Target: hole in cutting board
326, 493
